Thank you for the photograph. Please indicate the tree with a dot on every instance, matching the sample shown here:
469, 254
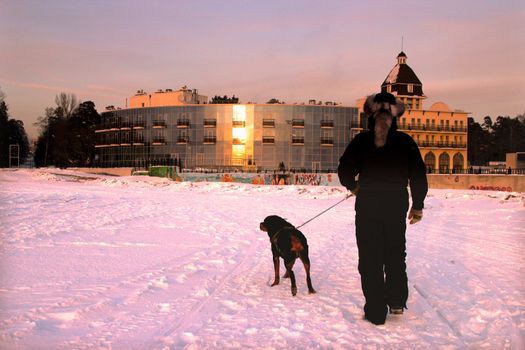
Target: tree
64, 140
274, 101
492, 141
508, 136
478, 143
225, 99
68, 103
12, 131
81, 134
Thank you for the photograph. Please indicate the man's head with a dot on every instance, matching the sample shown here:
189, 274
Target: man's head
383, 101
382, 110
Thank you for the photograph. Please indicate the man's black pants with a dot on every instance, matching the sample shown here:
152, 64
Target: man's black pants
380, 233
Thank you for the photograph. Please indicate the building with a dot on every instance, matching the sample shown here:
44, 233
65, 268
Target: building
167, 97
163, 128
515, 160
440, 132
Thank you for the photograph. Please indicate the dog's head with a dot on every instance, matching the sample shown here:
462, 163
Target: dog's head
273, 223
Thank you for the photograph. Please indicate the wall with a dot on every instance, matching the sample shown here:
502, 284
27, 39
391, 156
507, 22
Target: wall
514, 183
108, 171
478, 182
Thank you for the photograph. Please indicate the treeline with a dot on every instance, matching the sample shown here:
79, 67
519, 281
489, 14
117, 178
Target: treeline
12, 132
491, 141
224, 99
67, 133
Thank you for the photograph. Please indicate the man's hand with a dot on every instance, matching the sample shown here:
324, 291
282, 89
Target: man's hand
415, 216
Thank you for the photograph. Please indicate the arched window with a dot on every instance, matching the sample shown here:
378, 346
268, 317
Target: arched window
430, 161
457, 162
444, 161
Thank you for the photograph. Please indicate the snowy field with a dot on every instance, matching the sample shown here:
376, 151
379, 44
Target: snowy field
101, 262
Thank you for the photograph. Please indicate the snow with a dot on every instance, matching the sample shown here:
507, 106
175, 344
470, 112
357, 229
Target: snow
392, 76
100, 262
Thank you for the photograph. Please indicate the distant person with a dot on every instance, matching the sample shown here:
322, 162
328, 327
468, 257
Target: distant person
386, 161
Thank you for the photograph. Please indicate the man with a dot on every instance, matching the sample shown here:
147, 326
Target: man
386, 161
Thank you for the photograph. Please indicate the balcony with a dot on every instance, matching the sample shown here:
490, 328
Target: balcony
125, 141
268, 123
297, 123
268, 140
421, 127
138, 141
210, 123
183, 123
125, 126
327, 141
239, 123
158, 140
296, 140
159, 124
182, 140
442, 144
208, 140
139, 125
327, 123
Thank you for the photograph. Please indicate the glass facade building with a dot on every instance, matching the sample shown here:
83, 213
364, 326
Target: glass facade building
226, 136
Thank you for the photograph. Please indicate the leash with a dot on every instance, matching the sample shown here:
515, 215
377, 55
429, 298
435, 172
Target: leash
324, 211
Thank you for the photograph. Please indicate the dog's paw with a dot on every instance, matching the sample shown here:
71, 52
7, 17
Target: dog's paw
276, 282
286, 275
294, 291
312, 291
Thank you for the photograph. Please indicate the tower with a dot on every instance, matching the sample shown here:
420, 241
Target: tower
404, 84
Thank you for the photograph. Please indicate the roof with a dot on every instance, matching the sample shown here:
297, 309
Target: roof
402, 74
400, 77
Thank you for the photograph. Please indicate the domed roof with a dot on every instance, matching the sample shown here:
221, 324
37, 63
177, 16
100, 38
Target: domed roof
402, 73
439, 107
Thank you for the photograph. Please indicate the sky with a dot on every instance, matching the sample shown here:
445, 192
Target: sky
468, 54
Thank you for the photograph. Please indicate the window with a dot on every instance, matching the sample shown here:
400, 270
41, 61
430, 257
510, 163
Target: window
410, 88
389, 88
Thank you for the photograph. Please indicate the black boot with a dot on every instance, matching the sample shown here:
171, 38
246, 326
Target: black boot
376, 313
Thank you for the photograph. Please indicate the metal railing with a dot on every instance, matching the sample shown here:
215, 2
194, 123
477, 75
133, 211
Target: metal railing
442, 144
268, 123
298, 123
183, 123
327, 141
327, 123
210, 123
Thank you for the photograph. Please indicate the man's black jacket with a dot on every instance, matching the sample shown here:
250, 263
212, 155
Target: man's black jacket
389, 168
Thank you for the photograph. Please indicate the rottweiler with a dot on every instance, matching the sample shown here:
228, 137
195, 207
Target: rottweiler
288, 243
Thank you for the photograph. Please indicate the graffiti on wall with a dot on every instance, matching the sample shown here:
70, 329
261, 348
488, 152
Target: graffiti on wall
265, 179
491, 188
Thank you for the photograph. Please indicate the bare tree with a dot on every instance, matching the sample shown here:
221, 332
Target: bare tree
2, 96
68, 103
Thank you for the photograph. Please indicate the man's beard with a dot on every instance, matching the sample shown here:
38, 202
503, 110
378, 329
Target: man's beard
381, 129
